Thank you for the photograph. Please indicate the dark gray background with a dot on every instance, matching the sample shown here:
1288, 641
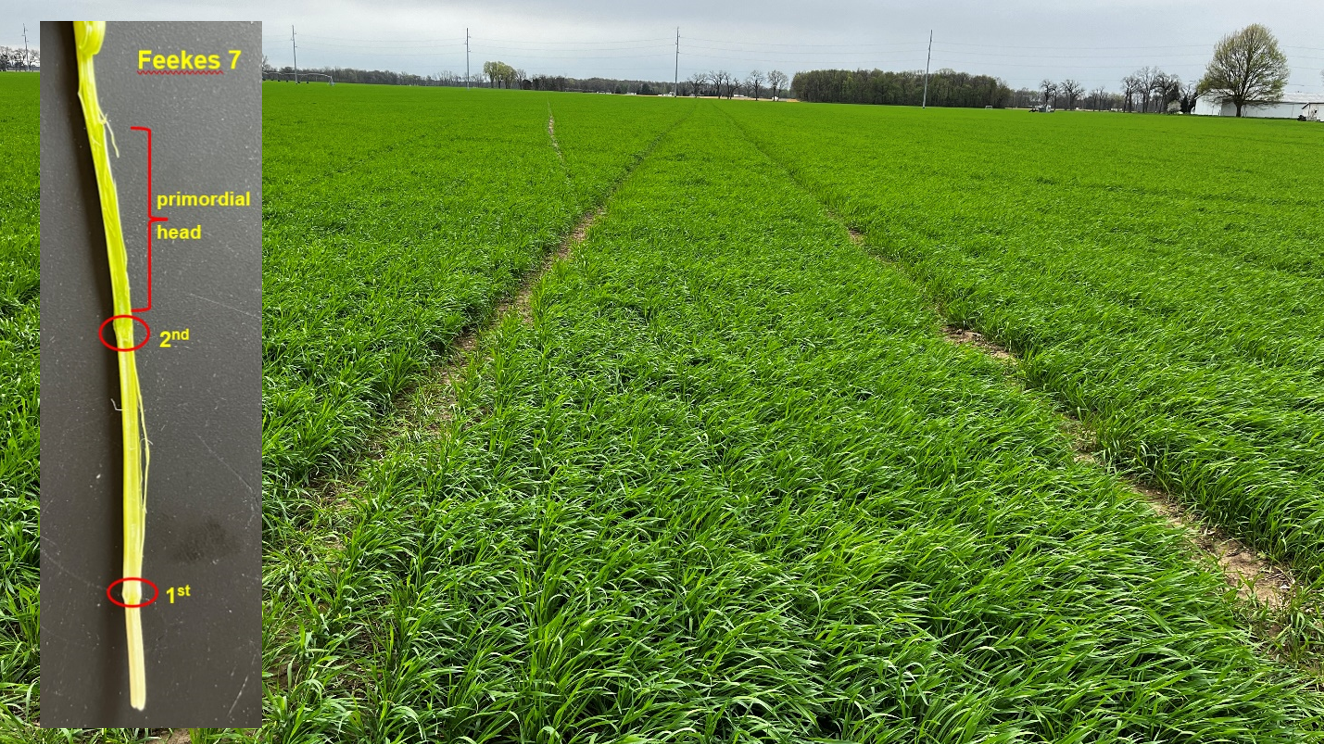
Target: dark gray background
202, 398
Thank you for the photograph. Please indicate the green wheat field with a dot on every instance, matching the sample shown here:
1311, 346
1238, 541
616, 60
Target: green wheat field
726, 480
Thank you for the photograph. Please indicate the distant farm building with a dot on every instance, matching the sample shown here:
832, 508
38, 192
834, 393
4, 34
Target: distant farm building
1288, 106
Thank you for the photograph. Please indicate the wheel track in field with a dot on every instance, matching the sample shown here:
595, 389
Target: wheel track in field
430, 404
1268, 591
1266, 581
463, 344
551, 132
437, 386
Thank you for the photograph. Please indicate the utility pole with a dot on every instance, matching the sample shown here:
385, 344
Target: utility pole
675, 87
466, 58
295, 47
927, 60
27, 67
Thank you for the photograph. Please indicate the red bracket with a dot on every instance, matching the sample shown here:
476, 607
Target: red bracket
151, 218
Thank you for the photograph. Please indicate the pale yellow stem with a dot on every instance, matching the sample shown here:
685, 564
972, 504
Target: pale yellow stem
89, 35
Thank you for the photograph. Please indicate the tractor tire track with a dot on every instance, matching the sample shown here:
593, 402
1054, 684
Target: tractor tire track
1263, 586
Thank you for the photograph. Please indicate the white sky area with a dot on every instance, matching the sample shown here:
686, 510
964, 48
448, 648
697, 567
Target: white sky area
1020, 41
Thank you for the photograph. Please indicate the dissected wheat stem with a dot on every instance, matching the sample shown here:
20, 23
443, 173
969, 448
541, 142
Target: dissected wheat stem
89, 36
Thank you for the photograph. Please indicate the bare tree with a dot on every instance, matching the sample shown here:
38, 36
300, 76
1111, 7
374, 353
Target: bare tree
1247, 68
1130, 86
755, 83
776, 82
1144, 81
722, 82
1072, 90
726, 82
1050, 90
697, 81
1165, 88
1098, 97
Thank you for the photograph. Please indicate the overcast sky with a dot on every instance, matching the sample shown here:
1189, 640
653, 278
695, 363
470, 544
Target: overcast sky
1021, 41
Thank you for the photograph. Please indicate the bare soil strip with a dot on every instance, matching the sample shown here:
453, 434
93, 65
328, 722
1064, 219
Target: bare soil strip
551, 132
963, 336
429, 405
1251, 575
1268, 588
1243, 568
432, 403
1268, 583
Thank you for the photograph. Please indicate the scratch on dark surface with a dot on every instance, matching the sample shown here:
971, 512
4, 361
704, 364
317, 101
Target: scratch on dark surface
46, 555
239, 694
88, 640
223, 462
222, 304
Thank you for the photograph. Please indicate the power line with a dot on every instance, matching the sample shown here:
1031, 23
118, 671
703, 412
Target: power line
579, 51
778, 43
775, 51
1081, 48
452, 48
576, 43
581, 55
1065, 56
335, 45
385, 41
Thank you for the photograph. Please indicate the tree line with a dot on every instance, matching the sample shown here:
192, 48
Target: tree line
1147, 90
13, 59
1247, 68
905, 88
346, 75
716, 83
497, 74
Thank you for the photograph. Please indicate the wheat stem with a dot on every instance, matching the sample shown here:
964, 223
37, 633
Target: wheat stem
89, 36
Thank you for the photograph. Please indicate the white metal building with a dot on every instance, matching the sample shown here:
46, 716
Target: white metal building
1289, 106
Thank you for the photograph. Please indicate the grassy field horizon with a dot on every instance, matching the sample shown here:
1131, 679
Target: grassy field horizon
724, 479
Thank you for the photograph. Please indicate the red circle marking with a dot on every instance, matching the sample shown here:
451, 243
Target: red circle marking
117, 582
101, 332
